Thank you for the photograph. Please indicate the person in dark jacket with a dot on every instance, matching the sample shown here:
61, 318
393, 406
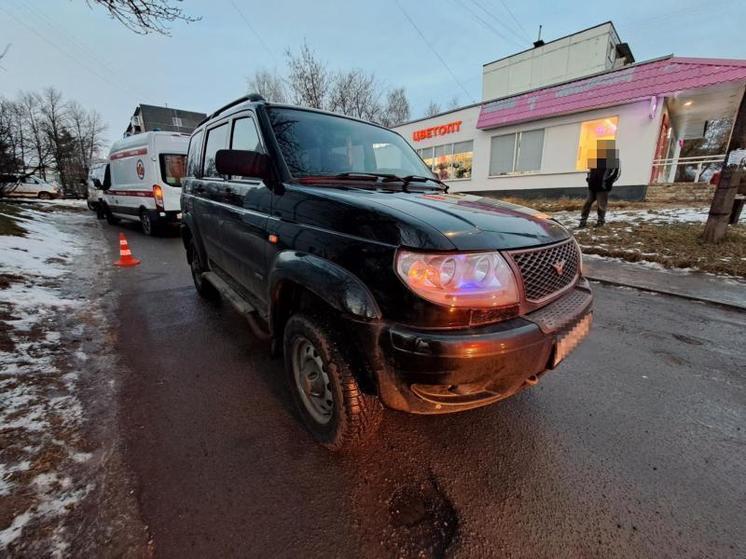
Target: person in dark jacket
603, 171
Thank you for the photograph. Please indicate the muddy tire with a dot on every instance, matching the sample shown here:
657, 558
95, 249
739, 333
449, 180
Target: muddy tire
44, 196
203, 287
333, 407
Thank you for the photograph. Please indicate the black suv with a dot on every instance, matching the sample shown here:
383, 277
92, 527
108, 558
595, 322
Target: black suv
340, 246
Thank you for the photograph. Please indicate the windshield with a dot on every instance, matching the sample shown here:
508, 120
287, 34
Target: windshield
173, 168
317, 144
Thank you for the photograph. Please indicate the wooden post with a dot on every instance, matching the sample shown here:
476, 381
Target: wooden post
730, 175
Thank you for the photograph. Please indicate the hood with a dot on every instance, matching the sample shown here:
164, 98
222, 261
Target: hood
455, 221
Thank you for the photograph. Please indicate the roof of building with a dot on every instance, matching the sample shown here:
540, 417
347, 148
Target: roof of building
161, 118
658, 77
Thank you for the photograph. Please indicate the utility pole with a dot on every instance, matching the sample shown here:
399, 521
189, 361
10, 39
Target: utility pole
730, 178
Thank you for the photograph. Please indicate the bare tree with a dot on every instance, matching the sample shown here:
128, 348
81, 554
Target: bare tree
357, 94
54, 114
144, 16
269, 85
452, 103
33, 123
87, 130
308, 78
396, 110
432, 109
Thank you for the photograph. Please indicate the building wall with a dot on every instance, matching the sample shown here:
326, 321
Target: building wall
581, 54
636, 138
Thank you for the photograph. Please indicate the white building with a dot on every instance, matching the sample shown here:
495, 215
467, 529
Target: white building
537, 141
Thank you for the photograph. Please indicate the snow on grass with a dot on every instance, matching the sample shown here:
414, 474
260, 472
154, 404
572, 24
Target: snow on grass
40, 412
695, 214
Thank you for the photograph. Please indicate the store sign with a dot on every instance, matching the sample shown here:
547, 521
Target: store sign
435, 131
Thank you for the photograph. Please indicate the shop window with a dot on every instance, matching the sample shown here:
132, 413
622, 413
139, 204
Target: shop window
591, 132
449, 161
516, 153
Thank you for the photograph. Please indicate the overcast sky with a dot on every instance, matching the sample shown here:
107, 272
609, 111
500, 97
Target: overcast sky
95, 60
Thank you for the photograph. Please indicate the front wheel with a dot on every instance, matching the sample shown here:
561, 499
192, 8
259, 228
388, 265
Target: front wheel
44, 196
110, 218
335, 410
204, 287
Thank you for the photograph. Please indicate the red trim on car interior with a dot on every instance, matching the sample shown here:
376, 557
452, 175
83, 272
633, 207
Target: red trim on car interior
128, 153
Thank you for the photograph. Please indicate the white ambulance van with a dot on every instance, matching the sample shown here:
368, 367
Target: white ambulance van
146, 171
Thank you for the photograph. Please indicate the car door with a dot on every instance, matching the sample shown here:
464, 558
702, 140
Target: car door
208, 190
247, 201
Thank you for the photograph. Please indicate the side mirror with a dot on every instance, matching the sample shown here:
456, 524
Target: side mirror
242, 163
97, 183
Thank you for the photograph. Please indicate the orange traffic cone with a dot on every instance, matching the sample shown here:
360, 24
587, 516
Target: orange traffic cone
125, 254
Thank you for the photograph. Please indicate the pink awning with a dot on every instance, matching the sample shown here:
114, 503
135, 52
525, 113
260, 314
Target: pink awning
641, 81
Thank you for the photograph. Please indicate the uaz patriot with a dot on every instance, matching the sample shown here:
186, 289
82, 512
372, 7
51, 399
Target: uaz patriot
378, 286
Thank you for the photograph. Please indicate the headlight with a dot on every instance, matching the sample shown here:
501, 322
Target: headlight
474, 280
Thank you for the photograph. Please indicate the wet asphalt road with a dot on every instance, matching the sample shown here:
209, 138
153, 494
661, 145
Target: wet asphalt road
635, 447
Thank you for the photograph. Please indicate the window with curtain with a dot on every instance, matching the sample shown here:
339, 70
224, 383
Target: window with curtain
516, 153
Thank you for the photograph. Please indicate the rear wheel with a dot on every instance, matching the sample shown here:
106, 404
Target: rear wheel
147, 223
335, 410
44, 196
204, 287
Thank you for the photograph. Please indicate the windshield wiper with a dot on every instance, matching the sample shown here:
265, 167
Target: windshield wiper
416, 178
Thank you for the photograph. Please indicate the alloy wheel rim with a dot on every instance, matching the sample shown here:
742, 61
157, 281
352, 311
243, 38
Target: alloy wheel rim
312, 381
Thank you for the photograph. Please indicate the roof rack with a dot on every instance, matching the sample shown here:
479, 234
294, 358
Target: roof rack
253, 97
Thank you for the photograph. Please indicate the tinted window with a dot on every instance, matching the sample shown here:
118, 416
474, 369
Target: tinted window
245, 135
217, 138
195, 145
321, 144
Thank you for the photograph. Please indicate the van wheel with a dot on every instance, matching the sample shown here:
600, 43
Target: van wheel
148, 225
110, 219
204, 287
334, 408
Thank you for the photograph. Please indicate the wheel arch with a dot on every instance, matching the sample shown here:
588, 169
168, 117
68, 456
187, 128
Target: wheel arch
294, 274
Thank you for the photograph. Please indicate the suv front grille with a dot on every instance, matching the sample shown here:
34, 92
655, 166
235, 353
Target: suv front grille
547, 271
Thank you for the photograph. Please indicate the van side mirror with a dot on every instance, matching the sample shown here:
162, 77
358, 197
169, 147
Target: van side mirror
97, 183
242, 163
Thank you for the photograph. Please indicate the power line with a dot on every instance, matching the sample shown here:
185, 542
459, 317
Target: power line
435, 52
60, 32
508, 28
254, 31
59, 49
515, 19
486, 23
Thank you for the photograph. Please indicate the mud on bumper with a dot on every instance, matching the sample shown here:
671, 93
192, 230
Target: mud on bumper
429, 372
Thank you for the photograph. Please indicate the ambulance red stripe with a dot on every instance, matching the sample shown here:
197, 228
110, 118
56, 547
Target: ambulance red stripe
128, 153
140, 193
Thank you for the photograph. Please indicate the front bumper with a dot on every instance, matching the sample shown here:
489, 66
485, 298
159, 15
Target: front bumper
426, 371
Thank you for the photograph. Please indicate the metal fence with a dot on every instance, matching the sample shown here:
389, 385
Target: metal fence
698, 168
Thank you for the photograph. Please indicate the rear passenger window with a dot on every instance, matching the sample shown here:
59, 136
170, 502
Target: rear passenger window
217, 138
195, 145
245, 135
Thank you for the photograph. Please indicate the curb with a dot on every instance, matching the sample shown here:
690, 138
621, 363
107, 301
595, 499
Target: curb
718, 302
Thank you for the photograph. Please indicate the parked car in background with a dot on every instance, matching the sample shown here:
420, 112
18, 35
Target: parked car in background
28, 187
340, 246
146, 171
97, 176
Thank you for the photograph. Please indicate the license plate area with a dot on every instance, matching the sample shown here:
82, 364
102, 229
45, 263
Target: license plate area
569, 340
